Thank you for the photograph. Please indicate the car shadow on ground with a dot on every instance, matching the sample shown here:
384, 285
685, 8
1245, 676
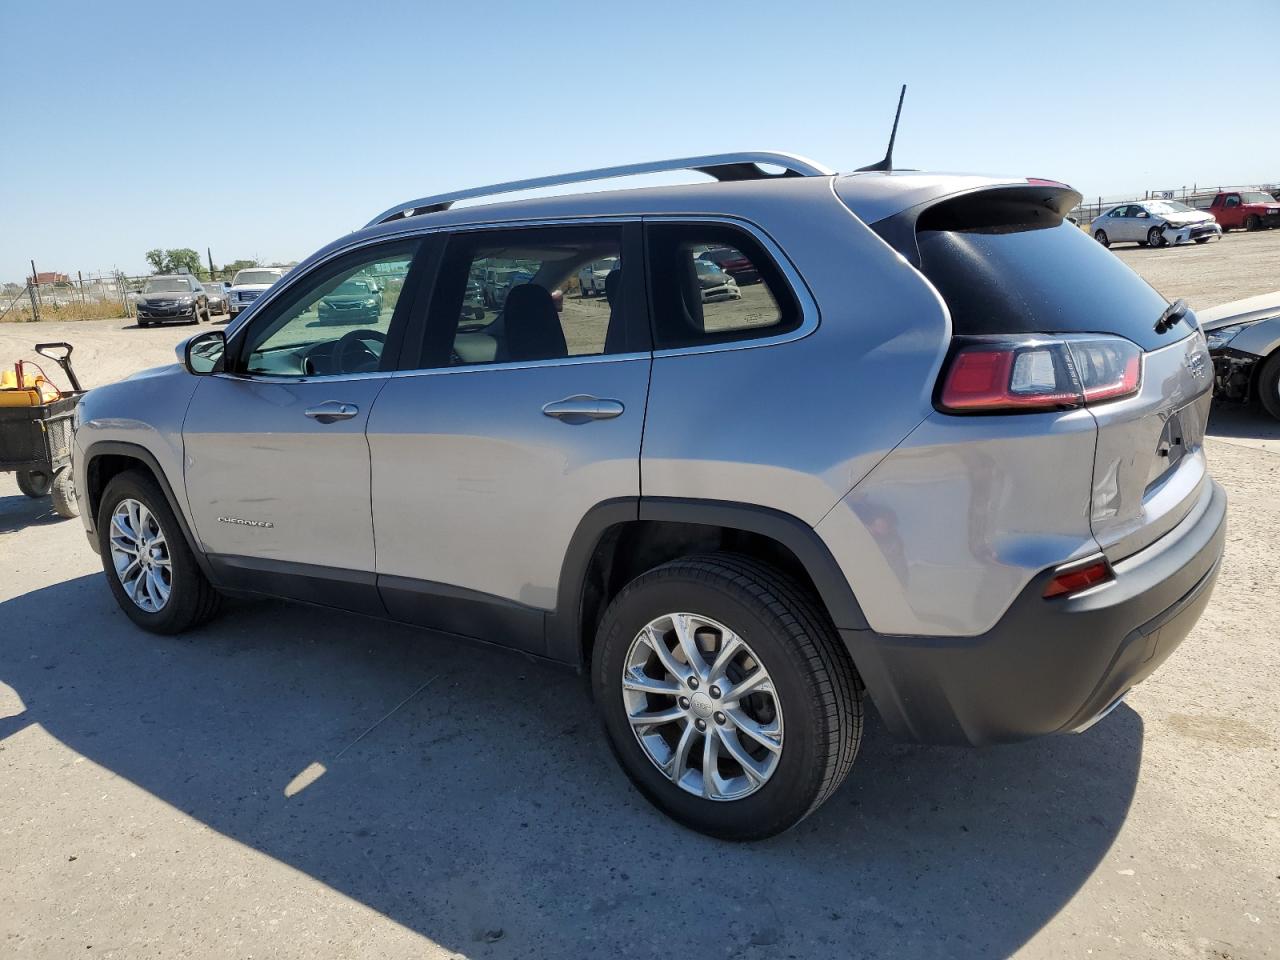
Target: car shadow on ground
20, 511
489, 801
1242, 421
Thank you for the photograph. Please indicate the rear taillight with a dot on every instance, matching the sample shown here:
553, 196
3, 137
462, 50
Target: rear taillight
1037, 372
1079, 577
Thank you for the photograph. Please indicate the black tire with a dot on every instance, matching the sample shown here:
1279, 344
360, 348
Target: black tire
34, 483
1252, 222
1102, 238
1202, 239
63, 492
192, 599
1155, 238
144, 324
813, 677
1269, 385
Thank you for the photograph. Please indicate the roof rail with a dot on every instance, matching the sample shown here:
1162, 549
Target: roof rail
722, 166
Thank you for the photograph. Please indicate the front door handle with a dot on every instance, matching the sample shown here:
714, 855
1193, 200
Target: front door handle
582, 409
331, 411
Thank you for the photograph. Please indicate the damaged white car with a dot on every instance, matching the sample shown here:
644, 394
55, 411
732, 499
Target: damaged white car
1154, 223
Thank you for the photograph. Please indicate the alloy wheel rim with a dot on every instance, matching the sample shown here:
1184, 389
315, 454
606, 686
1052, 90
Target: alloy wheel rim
702, 706
140, 555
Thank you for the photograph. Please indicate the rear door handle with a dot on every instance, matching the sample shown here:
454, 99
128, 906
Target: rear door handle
582, 409
331, 411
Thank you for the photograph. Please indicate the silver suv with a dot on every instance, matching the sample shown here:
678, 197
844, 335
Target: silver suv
943, 452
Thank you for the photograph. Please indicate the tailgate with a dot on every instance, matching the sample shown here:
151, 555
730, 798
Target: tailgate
1150, 467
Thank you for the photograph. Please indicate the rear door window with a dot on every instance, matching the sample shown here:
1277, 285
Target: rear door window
535, 294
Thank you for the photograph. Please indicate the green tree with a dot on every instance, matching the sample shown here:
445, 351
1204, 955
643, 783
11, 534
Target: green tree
175, 261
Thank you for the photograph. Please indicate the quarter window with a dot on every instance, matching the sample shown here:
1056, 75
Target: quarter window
713, 283
335, 321
518, 296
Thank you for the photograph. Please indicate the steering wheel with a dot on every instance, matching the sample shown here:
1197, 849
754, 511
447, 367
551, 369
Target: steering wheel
362, 358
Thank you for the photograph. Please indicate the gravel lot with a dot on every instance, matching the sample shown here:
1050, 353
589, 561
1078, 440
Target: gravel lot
253, 791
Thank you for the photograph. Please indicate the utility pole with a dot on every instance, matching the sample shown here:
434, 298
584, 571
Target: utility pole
209, 251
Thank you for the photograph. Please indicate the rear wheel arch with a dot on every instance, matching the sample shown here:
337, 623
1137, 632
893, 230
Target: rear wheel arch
619, 540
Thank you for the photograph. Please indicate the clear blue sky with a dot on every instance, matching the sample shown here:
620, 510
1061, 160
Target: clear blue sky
128, 126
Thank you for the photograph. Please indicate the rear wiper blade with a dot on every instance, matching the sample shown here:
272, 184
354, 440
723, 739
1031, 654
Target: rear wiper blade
1172, 314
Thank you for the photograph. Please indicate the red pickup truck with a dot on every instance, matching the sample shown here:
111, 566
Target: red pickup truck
1247, 209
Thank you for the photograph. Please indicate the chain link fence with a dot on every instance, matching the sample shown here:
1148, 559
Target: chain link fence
1196, 195
81, 298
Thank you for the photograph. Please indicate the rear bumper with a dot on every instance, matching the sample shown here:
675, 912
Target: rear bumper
1049, 666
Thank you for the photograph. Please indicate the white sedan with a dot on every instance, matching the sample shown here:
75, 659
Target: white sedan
1154, 223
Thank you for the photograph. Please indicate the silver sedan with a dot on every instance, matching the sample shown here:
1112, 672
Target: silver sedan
1154, 223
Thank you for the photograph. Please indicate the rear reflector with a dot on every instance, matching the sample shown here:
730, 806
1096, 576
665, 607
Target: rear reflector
1038, 372
1079, 578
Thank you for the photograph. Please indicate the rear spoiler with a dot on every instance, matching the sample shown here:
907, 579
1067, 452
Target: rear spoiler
1035, 202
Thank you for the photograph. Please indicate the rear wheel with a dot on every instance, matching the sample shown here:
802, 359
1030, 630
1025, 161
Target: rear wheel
1101, 237
726, 695
34, 483
1269, 385
149, 567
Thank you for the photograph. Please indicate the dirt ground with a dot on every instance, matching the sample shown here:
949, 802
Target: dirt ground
290, 782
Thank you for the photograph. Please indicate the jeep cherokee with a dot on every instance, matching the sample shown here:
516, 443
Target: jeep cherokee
946, 455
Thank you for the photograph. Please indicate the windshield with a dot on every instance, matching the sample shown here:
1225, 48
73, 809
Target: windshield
704, 268
358, 288
1168, 206
256, 276
167, 285
1257, 196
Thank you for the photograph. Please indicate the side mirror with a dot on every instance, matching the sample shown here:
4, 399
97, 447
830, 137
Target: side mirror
204, 353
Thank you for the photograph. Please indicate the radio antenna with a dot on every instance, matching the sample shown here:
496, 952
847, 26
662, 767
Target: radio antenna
887, 163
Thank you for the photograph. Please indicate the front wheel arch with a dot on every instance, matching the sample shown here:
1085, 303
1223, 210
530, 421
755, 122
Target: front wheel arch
109, 458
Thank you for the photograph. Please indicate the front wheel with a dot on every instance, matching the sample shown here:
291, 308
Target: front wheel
63, 492
1102, 238
726, 695
150, 569
34, 483
1269, 385
1252, 222
1155, 237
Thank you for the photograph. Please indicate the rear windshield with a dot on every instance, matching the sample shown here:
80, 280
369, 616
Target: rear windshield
1039, 277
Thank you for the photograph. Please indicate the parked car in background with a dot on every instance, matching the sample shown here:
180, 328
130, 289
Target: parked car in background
1245, 210
951, 460
219, 293
179, 298
473, 301
249, 284
732, 262
355, 300
1154, 223
1244, 341
594, 276
715, 283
